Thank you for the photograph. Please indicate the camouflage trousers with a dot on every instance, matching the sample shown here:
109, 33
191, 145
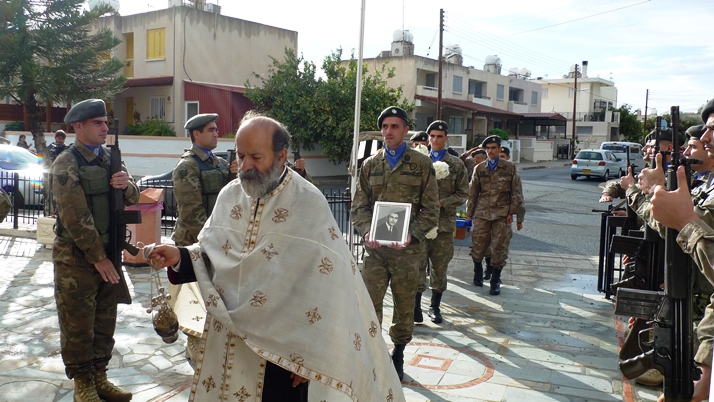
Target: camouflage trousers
509, 236
87, 317
397, 269
490, 235
439, 252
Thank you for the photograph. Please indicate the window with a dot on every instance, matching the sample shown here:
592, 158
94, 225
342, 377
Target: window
571, 91
158, 104
500, 90
584, 130
458, 84
534, 98
156, 43
456, 124
431, 80
545, 93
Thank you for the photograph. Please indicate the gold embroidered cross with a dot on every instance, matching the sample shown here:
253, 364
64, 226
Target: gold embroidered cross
313, 316
226, 247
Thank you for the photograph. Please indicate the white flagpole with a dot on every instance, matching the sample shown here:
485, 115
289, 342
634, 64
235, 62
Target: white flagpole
358, 106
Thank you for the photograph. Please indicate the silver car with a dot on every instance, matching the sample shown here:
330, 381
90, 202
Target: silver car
28, 167
596, 163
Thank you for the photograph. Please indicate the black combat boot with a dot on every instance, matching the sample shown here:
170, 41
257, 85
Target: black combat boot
435, 309
496, 281
418, 316
478, 273
489, 269
398, 360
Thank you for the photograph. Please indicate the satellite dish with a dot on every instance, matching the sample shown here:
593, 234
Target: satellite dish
525, 72
491, 59
398, 35
408, 36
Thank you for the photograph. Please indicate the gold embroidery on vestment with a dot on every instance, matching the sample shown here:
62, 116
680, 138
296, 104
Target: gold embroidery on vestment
208, 383
237, 212
297, 359
326, 266
313, 316
226, 247
269, 251
242, 395
259, 299
373, 329
358, 342
281, 215
333, 233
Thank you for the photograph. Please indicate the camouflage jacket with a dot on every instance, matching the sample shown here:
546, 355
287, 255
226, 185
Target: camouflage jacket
5, 205
55, 149
192, 213
614, 189
453, 191
72, 210
412, 181
494, 195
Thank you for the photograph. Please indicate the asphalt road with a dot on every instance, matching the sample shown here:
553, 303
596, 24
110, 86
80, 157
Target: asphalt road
559, 217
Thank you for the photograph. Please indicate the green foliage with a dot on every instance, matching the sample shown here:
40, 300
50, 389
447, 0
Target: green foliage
321, 110
151, 127
15, 126
630, 127
49, 55
503, 134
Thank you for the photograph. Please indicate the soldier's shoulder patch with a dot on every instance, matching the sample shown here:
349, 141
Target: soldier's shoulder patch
182, 173
62, 178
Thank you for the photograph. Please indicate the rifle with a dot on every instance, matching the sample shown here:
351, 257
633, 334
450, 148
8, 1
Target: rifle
296, 152
671, 350
231, 158
118, 219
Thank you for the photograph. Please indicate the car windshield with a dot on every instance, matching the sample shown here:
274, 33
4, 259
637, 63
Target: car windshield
12, 158
589, 155
615, 147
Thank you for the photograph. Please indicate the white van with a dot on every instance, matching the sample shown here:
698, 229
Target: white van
620, 148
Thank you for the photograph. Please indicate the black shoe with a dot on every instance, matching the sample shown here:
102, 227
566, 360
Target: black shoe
478, 273
418, 316
398, 360
489, 270
435, 308
495, 282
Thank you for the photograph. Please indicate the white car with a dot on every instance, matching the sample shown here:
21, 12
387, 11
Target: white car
596, 163
29, 171
621, 148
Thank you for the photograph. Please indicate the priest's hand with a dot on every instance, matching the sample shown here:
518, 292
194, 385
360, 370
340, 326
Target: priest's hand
369, 243
297, 380
165, 255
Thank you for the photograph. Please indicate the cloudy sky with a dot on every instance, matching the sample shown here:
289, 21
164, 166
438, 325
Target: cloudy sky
658, 45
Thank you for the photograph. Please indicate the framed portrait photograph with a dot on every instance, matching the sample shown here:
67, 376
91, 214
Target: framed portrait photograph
390, 222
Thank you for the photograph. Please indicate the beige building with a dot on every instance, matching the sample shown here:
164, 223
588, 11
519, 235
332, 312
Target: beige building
594, 122
182, 61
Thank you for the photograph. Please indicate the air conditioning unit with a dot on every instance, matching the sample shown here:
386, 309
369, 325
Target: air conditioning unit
213, 8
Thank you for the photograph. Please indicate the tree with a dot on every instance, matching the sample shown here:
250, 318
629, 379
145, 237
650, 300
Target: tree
49, 56
321, 110
630, 127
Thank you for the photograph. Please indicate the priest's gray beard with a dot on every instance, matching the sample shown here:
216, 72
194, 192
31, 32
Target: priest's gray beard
257, 184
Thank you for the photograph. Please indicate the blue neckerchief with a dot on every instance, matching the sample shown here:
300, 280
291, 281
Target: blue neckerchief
437, 155
700, 176
96, 149
207, 151
492, 163
394, 155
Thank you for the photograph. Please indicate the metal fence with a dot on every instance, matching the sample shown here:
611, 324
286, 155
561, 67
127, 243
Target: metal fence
28, 202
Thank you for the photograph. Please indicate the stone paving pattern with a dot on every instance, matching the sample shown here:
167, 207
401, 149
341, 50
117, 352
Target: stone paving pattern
549, 336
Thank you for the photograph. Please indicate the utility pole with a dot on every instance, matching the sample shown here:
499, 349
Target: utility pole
575, 109
441, 47
647, 98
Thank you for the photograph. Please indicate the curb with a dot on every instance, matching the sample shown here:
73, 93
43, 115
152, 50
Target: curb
533, 167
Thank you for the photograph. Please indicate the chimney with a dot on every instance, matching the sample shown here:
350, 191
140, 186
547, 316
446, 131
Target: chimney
584, 73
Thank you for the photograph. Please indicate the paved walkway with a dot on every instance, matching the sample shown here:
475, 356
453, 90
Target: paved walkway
549, 336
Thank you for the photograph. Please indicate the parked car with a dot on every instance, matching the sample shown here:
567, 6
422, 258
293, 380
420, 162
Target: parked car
596, 163
620, 149
29, 169
165, 182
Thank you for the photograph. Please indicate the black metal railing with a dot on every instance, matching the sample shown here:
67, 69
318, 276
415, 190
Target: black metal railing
27, 199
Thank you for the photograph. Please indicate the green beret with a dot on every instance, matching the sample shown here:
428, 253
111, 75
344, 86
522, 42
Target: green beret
491, 139
86, 109
420, 136
696, 132
198, 121
392, 111
438, 125
708, 109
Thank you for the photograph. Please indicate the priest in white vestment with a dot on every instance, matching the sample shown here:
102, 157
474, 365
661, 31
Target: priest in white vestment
287, 311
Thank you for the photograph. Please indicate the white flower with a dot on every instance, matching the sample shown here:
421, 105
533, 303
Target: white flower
432, 233
421, 148
442, 170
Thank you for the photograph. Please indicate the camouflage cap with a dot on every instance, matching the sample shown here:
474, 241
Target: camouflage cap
86, 109
438, 125
491, 139
420, 136
696, 132
708, 109
394, 111
200, 120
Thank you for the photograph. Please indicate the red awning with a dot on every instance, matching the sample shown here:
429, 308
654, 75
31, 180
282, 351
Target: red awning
149, 82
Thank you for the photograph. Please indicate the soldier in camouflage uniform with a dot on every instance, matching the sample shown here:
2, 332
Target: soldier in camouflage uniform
198, 178
58, 146
453, 191
494, 197
84, 277
396, 173
5, 205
